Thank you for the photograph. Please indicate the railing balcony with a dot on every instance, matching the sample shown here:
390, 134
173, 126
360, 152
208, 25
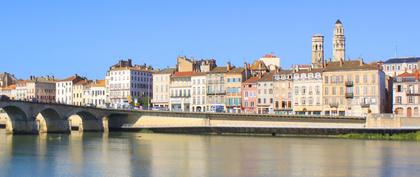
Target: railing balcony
411, 93
365, 105
349, 95
349, 83
333, 105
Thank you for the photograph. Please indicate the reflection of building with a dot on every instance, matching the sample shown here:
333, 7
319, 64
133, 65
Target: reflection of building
396, 66
353, 88
127, 83
162, 80
307, 90
180, 90
406, 94
283, 92
265, 97
249, 95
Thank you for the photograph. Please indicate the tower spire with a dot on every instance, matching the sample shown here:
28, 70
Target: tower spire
339, 42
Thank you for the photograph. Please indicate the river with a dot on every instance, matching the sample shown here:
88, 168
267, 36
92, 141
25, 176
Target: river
137, 154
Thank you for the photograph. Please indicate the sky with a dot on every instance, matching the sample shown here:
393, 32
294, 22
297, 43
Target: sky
63, 38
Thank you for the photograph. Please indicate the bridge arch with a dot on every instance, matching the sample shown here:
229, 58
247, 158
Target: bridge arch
19, 121
85, 120
49, 120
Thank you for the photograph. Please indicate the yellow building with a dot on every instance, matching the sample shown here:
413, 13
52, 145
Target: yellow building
78, 90
353, 88
233, 82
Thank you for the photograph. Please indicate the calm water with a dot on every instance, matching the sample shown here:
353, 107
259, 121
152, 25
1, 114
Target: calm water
134, 154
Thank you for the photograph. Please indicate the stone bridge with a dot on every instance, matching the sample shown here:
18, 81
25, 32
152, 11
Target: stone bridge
31, 117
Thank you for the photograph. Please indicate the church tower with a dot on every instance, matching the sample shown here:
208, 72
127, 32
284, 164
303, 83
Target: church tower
339, 42
317, 51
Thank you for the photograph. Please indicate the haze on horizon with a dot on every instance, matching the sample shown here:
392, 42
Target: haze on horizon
64, 38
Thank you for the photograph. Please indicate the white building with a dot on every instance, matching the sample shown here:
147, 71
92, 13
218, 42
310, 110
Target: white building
64, 89
180, 90
396, 66
94, 94
127, 83
271, 61
198, 95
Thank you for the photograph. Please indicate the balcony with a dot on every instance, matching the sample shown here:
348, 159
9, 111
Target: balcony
365, 105
349, 83
333, 105
411, 93
349, 95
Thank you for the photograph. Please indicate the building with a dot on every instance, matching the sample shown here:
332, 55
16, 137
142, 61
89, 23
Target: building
129, 84
198, 93
79, 88
406, 93
265, 97
64, 89
185, 64
318, 51
339, 42
353, 88
21, 90
307, 96
161, 93
271, 61
180, 90
249, 95
233, 85
9, 91
7, 79
41, 89
258, 68
396, 66
216, 91
94, 94
283, 91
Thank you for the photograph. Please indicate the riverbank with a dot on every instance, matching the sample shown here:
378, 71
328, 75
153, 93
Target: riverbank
369, 134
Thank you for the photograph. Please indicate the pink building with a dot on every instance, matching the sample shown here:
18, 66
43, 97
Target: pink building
249, 95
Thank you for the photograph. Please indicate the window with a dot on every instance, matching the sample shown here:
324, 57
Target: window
303, 90
399, 88
296, 90
410, 99
398, 99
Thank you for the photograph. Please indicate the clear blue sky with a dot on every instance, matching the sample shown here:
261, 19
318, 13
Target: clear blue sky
86, 37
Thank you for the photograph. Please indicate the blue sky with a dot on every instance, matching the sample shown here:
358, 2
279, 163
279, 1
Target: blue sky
62, 38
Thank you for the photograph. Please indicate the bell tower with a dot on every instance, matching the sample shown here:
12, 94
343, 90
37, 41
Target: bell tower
339, 42
317, 51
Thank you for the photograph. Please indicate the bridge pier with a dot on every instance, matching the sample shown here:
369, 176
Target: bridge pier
21, 127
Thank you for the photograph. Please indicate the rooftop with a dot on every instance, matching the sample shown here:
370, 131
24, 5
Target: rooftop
402, 60
350, 65
267, 77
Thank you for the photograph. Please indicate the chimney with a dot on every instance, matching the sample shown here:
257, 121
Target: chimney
341, 63
228, 66
361, 61
129, 62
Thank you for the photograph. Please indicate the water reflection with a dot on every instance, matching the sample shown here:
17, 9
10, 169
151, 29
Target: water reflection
132, 154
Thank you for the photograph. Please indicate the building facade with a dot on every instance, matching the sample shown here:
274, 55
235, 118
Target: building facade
339, 42
249, 95
216, 91
396, 66
353, 88
265, 97
233, 85
283, 92
161, 93
64, 89
180, 90
198, 92
407, 94
307, 96
94, 94
128, 84
7, 79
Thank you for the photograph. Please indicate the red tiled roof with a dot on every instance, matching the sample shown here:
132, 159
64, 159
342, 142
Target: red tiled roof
183, 74
252, 80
